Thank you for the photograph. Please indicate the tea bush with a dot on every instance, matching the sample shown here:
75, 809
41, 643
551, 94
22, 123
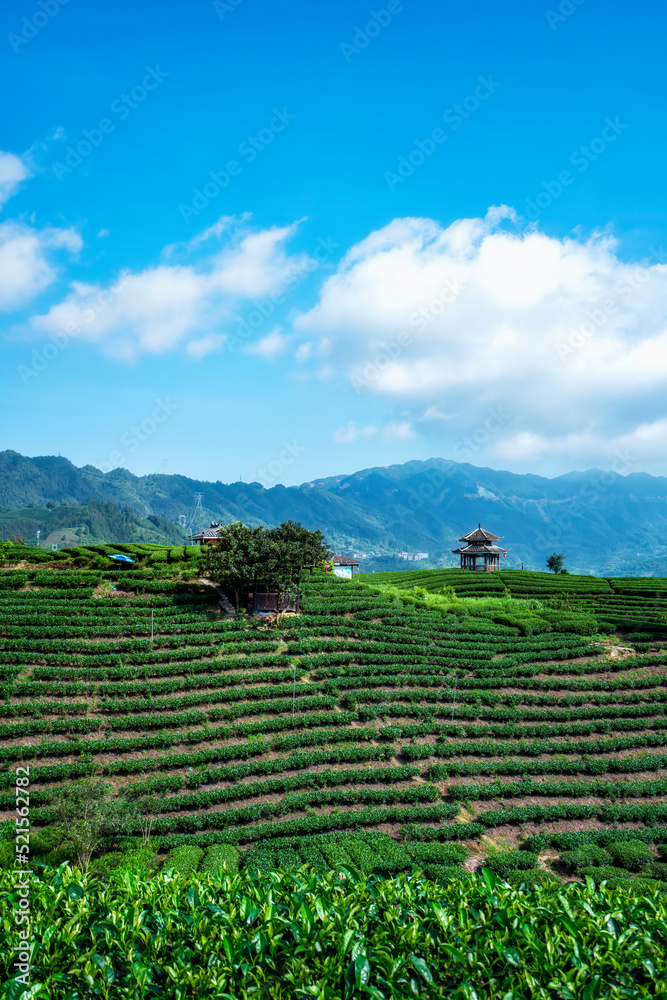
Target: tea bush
632, 855
504, 862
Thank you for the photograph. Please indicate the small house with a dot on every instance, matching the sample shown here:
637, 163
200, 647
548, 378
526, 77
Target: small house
209, 536
344, 567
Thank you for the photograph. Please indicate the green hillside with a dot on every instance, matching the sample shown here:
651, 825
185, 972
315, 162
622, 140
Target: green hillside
77, 524
379, 734
605, 523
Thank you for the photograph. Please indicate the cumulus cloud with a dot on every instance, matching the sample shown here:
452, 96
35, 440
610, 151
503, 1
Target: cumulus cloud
172, 304
13, 170
270, 346
450, 323
27, 260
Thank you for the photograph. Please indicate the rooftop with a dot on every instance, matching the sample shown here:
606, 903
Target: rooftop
480, 535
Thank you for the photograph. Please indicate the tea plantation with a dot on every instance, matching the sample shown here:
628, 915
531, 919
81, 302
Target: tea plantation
391, 731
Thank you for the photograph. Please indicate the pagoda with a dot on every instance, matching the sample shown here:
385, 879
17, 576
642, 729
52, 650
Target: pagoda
479, 546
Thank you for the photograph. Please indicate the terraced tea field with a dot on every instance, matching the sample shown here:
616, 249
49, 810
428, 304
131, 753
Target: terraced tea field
452, 732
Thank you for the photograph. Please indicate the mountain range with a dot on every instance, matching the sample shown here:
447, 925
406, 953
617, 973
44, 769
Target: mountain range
603, 522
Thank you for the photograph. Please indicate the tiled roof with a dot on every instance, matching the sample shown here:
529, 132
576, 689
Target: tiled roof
480, 535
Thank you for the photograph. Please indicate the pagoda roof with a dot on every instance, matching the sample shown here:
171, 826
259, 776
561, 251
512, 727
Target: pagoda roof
480, 535
479, 549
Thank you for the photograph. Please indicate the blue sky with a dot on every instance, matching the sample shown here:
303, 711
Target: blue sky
294, 240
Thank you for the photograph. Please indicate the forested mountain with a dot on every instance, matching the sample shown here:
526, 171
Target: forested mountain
603, 522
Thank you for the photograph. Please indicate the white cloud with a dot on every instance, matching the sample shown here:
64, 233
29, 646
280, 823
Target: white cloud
26, 260
398, 430
13, 170
205, 345
257, 265
270, 346
103, 233
452, 322
351, 432
303, 351
163, 307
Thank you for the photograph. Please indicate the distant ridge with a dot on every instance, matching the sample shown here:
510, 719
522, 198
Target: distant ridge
603, 522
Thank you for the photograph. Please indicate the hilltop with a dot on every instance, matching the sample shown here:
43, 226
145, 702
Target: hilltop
604, 522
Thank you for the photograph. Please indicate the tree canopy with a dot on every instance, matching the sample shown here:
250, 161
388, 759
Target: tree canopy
555, 562
273, 556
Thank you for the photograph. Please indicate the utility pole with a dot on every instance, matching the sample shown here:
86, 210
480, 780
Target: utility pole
294, 691
198, 499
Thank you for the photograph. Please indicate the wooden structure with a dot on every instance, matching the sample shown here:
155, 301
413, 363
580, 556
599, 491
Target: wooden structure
479, 546
263, 599
209, 536
344, 567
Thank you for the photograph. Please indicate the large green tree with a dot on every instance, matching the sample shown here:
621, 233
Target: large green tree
238, 555
273, 556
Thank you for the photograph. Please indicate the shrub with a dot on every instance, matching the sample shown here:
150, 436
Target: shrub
218, 855
116, 864
45, 841
631, 854
106, 864
336, 855
648, 884
440, 854
532, 878
585, 857
658, 869
7, 854
287, 858
363, 856
601, 873
258, 859
505, 862
184, 859
66, 852
448, 873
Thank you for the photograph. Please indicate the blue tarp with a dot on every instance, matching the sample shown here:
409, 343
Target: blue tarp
120, 558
